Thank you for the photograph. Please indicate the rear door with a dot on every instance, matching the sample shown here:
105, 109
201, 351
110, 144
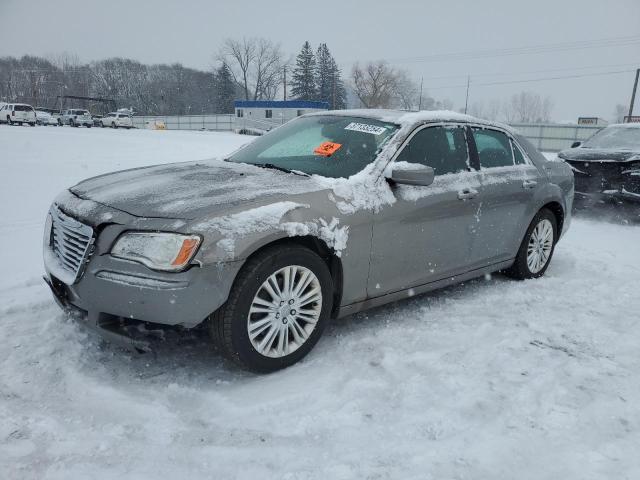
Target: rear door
509, 181
427, 233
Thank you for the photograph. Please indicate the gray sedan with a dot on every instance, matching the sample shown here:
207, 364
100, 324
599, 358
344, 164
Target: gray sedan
325, 216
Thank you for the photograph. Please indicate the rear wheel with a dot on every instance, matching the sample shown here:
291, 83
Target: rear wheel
537, 247
276, 311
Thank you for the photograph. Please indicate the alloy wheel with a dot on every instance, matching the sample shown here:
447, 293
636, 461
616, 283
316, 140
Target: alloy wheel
540, 246
284, 311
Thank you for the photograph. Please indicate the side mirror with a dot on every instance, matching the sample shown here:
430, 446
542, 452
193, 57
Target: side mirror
576, 144
412, 174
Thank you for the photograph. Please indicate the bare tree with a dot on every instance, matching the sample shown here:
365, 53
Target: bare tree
255, 64
374, 84
528, 107
406, 91
619, 113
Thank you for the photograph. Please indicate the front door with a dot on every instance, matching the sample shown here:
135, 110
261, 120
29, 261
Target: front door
427, 234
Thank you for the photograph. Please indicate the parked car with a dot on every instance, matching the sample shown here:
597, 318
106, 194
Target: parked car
75, 117
18, 113
116, 120
97, 120
45, 118
330, 214
607, 166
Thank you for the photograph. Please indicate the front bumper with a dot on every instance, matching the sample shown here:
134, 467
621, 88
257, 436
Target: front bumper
109, 287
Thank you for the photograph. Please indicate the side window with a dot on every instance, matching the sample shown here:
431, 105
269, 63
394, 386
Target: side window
442, 148
240, 113
268, 114
494, 148
517, 154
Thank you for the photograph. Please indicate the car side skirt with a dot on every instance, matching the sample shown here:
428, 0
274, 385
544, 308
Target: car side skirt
420, 289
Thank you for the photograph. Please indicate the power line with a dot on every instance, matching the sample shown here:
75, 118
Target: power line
525, 50
522, 50
529, 80
502, 74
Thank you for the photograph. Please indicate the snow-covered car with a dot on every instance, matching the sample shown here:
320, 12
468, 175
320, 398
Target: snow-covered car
117, 120
75, 117
45, 118
607, 166
18, 114
327, 215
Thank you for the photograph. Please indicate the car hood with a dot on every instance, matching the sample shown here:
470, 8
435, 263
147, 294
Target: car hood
598, 155
191, 190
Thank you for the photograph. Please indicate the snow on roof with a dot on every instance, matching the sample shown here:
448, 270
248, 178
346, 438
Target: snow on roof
406, 118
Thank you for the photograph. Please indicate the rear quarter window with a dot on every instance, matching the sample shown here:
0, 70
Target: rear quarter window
532, 152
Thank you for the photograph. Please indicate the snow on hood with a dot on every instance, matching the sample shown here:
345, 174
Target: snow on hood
583, 154
190, 190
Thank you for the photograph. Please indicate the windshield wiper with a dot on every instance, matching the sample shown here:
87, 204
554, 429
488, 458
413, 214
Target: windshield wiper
281, 169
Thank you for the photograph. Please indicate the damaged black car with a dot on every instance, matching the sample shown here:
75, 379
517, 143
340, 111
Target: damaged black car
606, 167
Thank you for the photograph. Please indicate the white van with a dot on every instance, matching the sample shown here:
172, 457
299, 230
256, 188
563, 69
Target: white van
18, 113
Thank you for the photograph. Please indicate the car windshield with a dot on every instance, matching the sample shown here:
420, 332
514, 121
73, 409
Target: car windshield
619, 137
328, 145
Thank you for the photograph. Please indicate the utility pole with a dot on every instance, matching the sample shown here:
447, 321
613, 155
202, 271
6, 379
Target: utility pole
420, 100
285, 82
633, 94
466, 101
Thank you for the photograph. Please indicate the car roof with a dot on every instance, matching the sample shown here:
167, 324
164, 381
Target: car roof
408, 118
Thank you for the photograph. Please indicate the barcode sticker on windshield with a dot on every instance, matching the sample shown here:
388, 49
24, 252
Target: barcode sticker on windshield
365, 128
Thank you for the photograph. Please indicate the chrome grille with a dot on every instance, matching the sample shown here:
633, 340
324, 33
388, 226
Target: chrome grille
71, 241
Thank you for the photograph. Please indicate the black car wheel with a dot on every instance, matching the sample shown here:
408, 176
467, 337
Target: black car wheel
277, 309
536, 250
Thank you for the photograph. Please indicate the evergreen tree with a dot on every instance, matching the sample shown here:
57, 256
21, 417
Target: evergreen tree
338, 98
303, 83
323, 73
225, 89
328, 79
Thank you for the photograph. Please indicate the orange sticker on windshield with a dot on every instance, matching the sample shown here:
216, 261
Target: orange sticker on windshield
326, 149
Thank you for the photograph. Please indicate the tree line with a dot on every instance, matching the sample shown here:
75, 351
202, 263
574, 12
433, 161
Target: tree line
250, 69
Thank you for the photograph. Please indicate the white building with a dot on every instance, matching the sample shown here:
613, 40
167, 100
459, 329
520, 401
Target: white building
274, 112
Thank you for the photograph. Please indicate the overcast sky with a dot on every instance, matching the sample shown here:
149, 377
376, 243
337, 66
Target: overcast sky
401, 31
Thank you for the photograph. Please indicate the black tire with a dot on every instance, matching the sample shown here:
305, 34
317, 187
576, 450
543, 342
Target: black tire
33, 124
113, 125
72, 123
520, 269
228, 325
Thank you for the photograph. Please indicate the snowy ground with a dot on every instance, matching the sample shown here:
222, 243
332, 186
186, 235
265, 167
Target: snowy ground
494, 379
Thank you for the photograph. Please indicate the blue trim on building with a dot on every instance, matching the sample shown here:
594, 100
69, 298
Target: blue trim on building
299, 104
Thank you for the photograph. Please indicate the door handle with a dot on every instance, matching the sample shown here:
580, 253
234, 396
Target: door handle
467, 193
529, 184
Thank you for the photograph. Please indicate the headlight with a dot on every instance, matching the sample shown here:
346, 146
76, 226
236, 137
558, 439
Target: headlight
158, 251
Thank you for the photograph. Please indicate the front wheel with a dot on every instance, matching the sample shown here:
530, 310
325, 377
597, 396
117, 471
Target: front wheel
537, 247
276, 311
